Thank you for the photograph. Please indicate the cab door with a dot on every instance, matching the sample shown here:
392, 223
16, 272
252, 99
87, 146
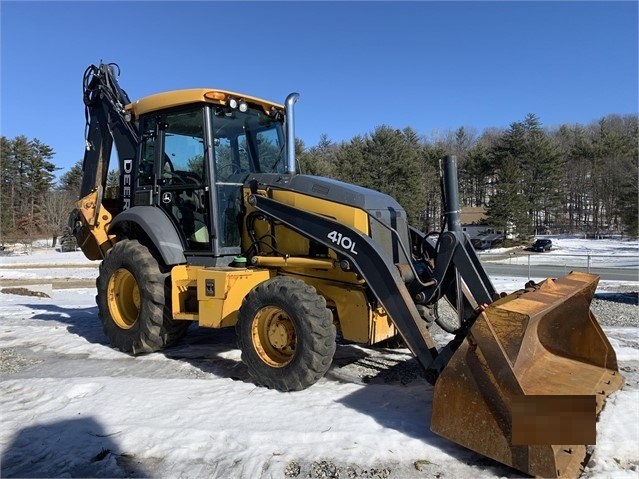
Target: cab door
182, 186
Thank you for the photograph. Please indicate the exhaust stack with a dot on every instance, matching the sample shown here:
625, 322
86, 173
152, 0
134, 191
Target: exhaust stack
290, 131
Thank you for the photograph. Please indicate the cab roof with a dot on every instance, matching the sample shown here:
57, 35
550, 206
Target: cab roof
160, 101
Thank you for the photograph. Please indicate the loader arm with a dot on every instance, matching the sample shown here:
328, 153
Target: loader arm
456, 255
369, 261
458, 274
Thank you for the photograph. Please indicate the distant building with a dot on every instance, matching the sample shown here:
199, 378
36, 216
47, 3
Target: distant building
473, 223
473, 220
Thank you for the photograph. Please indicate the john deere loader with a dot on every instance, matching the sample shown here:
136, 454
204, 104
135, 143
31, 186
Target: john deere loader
208, 221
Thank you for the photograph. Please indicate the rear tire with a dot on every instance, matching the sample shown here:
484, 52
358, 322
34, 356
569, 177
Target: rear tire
286, 334
134, 300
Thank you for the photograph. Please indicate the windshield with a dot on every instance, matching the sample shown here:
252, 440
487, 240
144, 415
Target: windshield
246, 142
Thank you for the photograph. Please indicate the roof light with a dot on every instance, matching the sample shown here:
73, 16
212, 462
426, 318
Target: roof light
215, 95
232, 102
243, 106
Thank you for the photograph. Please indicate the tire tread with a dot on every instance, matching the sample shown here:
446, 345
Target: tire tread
316, 334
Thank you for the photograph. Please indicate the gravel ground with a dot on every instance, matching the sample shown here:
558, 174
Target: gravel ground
12, 361
611, 308
330, 470
616, 309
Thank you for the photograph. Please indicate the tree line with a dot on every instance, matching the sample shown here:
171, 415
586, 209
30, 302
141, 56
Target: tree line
530, 179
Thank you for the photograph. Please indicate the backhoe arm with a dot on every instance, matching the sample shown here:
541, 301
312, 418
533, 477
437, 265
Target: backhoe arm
107, 122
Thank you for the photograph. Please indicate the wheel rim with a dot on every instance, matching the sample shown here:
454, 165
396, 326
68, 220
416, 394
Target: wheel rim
124, 298
273, 335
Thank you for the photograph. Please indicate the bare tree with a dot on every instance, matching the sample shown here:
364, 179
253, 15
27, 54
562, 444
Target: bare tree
55, 212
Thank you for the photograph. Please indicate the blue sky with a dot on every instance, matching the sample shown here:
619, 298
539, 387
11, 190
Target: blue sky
433, 66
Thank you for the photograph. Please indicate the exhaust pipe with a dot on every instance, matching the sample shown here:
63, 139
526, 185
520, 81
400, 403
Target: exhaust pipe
290, 131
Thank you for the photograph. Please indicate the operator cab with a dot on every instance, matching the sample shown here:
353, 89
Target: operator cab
194, 159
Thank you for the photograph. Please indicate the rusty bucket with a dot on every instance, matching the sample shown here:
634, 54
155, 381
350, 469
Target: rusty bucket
528, 381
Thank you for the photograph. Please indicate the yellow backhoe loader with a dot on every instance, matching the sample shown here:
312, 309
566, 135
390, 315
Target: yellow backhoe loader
210, 222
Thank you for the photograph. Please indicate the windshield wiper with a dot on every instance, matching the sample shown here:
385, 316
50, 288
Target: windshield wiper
279, 157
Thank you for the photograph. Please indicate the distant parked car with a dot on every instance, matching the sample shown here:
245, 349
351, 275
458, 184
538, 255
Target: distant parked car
487, 241
541, 245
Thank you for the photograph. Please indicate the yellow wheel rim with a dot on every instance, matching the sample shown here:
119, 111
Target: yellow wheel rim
123, 298
273, 335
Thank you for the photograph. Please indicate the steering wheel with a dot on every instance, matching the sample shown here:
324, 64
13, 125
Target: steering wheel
224, 172
178, 177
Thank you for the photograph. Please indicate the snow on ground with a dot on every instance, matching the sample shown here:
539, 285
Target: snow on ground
41, 274
574, 251
71, 406
47, 256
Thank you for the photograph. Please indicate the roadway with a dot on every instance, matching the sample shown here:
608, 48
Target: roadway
556, 271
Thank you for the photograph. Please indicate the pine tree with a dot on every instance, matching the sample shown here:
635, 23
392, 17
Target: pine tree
71, 180
392, 165
478, 170
628, 191
507, 209
27, 175
40, 180
540, 166
8, 174
320, 160
351, 166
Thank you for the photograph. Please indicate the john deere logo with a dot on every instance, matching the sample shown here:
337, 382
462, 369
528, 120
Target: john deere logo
126, 180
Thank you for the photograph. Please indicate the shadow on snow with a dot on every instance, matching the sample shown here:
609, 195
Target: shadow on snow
204, 348
71, 448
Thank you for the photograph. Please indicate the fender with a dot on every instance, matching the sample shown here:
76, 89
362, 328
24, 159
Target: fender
157, 226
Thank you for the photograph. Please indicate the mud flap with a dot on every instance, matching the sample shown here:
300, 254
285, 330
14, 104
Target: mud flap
529, 380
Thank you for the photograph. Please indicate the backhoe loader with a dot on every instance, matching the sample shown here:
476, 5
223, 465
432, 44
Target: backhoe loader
209, 221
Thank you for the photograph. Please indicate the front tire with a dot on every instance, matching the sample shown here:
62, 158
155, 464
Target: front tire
134, 300
286, 334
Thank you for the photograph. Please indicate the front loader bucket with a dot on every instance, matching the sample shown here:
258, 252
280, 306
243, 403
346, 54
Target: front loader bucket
528, 381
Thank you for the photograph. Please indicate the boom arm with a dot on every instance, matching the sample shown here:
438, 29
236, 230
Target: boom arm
362, 254
107, 121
